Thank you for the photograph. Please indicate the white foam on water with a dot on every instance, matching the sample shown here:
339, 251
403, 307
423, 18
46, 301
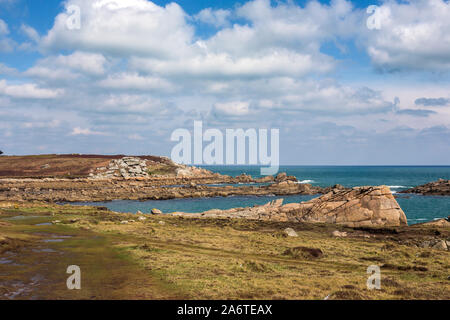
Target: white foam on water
306, 181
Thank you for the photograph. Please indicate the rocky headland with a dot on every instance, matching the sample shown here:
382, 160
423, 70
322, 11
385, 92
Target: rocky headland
440, 187
141, 178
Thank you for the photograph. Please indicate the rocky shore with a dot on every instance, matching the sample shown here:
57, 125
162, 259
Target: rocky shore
356, 207
438, 188
73, 190
136, 178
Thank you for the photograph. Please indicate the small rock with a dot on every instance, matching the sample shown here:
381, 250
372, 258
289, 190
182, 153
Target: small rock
124, 222
56, 221
162, 223
339, 234
138, 212
440, 245
290, 232
142, 218
156, 211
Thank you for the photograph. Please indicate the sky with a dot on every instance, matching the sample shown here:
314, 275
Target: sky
345, 83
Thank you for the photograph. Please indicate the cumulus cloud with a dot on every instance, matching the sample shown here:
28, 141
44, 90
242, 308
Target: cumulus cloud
137, 69
68, 67
27, 91
134, 81
414, 36
123, 28
218, 18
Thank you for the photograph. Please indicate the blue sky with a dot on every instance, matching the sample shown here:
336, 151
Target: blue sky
342, 89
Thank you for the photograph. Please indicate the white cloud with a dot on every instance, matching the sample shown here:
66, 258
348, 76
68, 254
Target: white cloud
235, 108
269, 64
133, 81
5, 70
6, 44
218, 18
132, 27
27, 91
69, 67
3, 28
415, 36
30, 32
139, 70
77, 131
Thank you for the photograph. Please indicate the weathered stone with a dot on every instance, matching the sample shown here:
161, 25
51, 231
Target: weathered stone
440, 245
281, 177
339, 234
290, 232
156, 211
357, 207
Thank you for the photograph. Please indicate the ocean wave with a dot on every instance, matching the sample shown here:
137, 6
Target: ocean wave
397, 187
306, 181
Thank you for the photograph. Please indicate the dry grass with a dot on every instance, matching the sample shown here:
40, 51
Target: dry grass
239, 259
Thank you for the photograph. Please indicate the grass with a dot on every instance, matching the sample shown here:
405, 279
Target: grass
168, 257
161, 169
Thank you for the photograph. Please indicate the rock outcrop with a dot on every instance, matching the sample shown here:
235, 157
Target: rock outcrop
127, 167
444, 222
440, 187
152, 187
356, 207
183, 171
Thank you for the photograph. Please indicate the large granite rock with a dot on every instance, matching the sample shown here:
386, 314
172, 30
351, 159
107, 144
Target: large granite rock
440, 187
356, 207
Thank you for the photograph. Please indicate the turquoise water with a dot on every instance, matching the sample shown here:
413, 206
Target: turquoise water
416, 207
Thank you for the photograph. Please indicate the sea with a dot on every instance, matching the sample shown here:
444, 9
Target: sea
418, 208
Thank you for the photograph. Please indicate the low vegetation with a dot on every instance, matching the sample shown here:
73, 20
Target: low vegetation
125, 256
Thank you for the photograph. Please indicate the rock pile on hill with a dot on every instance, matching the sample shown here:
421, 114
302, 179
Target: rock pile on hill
127, 167
355, 207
